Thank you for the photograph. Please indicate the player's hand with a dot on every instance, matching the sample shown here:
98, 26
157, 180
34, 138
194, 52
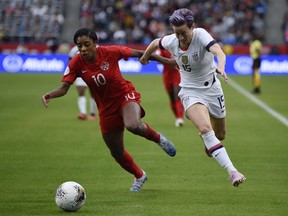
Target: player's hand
172, 63
143, 61
45, 99
223, 74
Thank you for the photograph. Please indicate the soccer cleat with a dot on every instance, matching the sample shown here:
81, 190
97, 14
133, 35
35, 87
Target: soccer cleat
166, 145
236, 178
82, 116
138, 183
179, 122
91, 117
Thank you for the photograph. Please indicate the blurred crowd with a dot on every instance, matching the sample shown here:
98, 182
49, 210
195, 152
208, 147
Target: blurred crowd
284, 27
31, 20
133, 21
140, 21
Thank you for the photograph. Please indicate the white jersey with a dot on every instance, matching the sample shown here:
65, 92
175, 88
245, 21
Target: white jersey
197, 67
73, 52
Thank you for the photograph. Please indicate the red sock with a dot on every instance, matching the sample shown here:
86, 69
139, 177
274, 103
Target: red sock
173, 108
151, 134
177, 108
129, 165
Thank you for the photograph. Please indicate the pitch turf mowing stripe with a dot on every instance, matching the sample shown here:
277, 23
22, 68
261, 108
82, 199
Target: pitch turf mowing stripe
261, 104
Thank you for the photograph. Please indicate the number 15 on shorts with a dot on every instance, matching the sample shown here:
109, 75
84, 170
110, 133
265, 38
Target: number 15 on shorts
221, 101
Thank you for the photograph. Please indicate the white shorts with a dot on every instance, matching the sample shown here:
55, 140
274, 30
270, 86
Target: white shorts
212, 98
80, 82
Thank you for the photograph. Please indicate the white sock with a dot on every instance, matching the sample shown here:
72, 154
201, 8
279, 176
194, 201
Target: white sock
92, 106
82, 104
220, 153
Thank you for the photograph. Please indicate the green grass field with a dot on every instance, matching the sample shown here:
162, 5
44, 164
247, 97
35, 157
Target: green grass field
41, 148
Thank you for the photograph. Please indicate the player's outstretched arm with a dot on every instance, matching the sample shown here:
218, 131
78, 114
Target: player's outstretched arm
169, 61
58, 92
221, 57
152, 47
155, 57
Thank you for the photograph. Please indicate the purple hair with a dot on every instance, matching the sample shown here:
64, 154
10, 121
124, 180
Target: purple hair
182, 16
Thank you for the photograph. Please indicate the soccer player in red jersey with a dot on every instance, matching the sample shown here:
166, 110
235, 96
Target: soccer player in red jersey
117, 100
171, 80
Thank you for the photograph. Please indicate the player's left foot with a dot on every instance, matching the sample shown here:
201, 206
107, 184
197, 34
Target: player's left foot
236, 178
138, 183
167, 145
91, 117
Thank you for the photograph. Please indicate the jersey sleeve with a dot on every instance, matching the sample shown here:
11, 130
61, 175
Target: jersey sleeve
205, 38
70, 72
167, 41
120, 51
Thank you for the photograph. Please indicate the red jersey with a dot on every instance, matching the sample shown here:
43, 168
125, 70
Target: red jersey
171, 75
103, 77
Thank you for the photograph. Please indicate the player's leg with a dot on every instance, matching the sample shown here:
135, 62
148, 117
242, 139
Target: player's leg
219, 127
131, 113
199, 115
81, 102
114, 141
92, 107
256, 78
176, 105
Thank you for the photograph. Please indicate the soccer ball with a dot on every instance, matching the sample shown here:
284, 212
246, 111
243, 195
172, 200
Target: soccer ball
70, 196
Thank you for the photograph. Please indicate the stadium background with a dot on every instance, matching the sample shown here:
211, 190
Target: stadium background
40, 32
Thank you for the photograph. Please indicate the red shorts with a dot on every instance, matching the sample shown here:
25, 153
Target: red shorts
114, 121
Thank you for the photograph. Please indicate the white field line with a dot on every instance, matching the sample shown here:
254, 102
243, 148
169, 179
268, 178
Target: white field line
259, 102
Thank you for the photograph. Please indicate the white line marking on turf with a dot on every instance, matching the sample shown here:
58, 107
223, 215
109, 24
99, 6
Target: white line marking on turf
259, 102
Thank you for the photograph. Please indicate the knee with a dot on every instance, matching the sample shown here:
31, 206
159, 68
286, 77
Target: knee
134, 127
204, 130
219, 134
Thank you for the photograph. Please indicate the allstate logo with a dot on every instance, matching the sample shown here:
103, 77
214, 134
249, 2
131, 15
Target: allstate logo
243, 65
160, 67
12, 63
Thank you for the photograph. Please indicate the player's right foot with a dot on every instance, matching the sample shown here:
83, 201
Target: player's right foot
236, 178
91, 117
166, 145
138, 183
82, 116
179, 122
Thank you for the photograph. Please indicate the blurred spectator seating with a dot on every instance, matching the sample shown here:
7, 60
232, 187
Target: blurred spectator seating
31, 20
122, 22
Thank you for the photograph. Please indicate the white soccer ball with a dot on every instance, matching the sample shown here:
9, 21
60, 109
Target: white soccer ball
70, 196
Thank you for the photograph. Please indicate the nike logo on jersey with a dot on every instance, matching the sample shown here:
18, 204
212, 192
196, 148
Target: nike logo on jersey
84, 71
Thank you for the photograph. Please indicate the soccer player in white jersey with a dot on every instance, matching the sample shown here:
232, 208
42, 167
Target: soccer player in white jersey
201, 92
81, 88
